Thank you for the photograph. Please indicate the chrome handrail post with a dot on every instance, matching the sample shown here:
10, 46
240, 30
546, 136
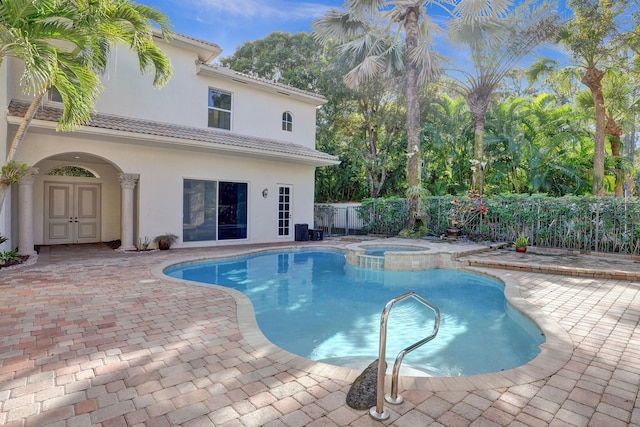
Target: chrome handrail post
393, 397
378, 412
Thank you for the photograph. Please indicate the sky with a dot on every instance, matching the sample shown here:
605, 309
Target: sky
230, 23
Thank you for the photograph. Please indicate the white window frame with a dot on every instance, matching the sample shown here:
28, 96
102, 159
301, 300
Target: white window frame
287, 125
210, 107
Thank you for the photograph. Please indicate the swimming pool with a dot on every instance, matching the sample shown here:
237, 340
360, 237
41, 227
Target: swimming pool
312, 304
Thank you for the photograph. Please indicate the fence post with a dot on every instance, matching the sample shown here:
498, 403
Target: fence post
597, 224
346, 221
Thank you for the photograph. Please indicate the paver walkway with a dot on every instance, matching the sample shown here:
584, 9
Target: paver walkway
89, 336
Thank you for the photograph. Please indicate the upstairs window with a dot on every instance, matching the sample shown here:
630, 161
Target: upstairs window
219, 109
53, 95
287, 121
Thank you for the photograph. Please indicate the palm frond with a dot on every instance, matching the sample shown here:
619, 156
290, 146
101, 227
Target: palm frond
368, 69
339, 27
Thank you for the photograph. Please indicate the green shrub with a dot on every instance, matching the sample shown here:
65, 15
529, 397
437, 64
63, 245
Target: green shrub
8, 257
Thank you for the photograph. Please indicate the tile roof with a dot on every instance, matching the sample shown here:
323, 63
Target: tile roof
218, 139
227, 70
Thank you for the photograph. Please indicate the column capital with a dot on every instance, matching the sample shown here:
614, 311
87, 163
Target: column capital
128, 180
29, 177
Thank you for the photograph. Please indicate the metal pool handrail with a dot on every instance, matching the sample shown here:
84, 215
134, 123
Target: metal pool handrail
377, 412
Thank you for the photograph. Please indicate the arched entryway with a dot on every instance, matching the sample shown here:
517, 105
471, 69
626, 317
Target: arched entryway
75, 198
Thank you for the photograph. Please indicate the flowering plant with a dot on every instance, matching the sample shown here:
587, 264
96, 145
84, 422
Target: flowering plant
467, 207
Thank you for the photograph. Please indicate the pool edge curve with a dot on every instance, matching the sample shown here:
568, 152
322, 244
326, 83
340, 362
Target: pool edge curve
555, 352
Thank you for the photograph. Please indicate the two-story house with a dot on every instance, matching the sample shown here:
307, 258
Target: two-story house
215, 157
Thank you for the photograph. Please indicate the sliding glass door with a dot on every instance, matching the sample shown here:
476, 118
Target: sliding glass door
214, 210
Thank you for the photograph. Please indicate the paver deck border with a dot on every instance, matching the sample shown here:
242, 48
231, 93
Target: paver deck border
555, 352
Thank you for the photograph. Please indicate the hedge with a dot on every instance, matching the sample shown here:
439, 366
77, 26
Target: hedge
602, 224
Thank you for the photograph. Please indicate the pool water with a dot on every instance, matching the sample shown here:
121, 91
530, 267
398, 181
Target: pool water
311, 303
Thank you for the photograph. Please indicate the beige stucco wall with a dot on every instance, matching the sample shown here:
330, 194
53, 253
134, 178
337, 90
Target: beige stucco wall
184, 99
256, 111
159, 191
5, 218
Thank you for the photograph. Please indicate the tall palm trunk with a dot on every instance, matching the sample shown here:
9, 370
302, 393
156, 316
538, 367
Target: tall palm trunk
478, 102
375, 175
614, 131
414, 159
593, 80
478, 151
17, 141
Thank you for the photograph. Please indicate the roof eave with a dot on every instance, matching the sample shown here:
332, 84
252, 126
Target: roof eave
145, 139
224, 73
206, 51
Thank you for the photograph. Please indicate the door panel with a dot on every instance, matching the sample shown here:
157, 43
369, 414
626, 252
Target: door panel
72, 213
284, 210
58, 215
88, 213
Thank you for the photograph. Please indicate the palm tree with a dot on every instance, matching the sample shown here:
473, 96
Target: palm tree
65, 45
619, 88
495, 52
562, 82
591, 38
387, 35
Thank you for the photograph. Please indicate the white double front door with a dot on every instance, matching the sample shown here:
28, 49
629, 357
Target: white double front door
72, 213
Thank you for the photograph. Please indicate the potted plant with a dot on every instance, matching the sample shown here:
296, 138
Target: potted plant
164, 241
521, 243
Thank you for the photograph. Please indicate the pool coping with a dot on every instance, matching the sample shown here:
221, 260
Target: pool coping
555, 352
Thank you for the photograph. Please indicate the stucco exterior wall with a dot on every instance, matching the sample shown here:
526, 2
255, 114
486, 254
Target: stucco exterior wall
5, 218
164, 162
160, 188
184, 99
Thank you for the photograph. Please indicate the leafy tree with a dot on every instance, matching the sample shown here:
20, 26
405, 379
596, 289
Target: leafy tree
448, 143
290, 59
535, 145
389, 35
562, 82
66, 44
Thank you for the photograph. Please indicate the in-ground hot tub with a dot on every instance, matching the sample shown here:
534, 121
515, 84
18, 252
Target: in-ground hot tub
391, 256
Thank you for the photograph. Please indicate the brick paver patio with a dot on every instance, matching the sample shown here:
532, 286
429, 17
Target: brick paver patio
89, 336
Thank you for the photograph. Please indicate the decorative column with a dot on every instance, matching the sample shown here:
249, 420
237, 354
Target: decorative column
128, 183
25, 209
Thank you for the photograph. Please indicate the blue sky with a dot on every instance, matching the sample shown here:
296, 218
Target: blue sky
230, 23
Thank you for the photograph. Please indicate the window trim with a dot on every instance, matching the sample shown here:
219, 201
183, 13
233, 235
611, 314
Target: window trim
287, 121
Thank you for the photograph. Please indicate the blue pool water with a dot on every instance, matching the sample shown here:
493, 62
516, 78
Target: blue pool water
313, 304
